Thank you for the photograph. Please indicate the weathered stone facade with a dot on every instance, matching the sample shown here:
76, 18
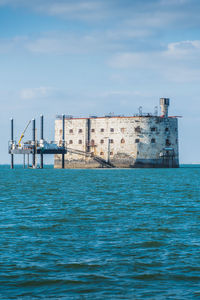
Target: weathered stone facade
125, 142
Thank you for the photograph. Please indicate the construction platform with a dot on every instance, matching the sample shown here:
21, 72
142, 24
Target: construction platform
43, 147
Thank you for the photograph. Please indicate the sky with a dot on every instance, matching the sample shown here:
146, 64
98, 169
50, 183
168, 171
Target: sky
93, 57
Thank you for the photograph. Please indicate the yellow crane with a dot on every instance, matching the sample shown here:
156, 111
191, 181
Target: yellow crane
22, 135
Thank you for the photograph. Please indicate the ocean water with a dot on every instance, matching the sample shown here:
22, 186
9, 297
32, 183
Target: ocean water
100, 234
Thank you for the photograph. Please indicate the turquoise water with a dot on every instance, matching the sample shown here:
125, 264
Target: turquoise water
100, 234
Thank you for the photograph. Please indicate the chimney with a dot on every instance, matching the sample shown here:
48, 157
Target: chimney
164, 104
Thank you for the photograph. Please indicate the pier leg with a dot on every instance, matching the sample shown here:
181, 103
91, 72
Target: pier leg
12, 140
63, 140
63, 161
24, 163
41, 138
28, 161
41, 161
12, 162
33, 142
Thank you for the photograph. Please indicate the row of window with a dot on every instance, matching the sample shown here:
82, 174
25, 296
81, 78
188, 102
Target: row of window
92, 130
153, 141
137, 129
102, 153
93, 142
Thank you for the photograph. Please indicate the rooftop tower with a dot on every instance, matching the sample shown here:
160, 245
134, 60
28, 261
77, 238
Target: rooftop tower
164, 104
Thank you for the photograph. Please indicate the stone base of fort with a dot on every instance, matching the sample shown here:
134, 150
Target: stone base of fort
139, 163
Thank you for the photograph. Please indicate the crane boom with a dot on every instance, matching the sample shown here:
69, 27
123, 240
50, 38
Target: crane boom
22, 135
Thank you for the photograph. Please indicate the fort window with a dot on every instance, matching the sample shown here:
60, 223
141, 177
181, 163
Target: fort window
92, 130
80, 130
111, 153
71, 131
122, 141
153, 141
101, 153
138, 129
137, 141
111, 141
166, 129
70, 142
92, 143
167, 142
60, 131
102, 141
102, 130
153, 128
111, 129
80, 141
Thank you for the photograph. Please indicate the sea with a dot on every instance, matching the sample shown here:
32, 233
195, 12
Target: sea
100, 234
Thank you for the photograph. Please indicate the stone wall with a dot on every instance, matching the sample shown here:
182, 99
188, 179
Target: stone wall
146, 141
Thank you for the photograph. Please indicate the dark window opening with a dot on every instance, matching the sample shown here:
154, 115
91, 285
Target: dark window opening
111, 141
137, 141
153, 128
138, 129
167, 142
111, 153
111, 129
92, 130
71, 131
102, 141
101, 153
80, 130
122, 141
70, 142
102, 130
80, 141
153, 141
92, 143
167, 129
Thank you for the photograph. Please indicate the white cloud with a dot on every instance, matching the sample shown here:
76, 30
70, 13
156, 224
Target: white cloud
79, 9
36, 93
180, 62
63, 8
183, 49
57, 43
173, 2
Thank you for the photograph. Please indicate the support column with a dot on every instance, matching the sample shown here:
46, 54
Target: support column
12, 141
24, 162
88, 134
33, 142
63, 140
41, 138
108, 160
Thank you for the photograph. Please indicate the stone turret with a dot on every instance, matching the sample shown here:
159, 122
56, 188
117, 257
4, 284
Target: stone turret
164, 104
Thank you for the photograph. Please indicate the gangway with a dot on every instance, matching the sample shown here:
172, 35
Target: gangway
100, 160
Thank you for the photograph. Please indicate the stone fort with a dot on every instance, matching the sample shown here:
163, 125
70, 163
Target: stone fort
139, 141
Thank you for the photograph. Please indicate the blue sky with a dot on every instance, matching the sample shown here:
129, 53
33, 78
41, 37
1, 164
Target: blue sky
95, 57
